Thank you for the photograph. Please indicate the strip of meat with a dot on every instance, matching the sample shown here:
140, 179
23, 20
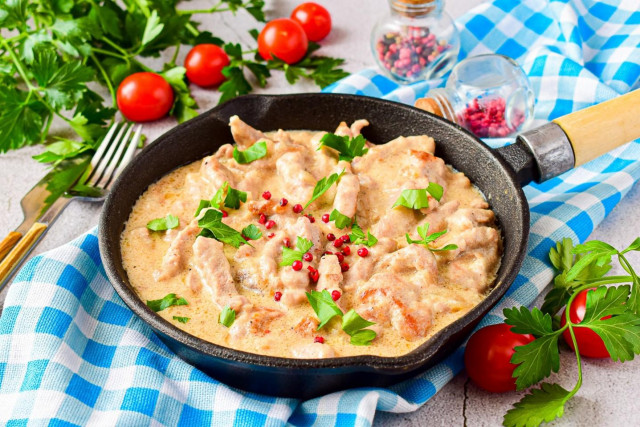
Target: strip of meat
330, 274
357, 126
464, 219
243, 134
307, 326
312, 351
388, 299
215, 273
269, 260
292, 168
396, 222
362, 268
255, 321
295, 283
437, 218
215, 173
175, 259
347, 195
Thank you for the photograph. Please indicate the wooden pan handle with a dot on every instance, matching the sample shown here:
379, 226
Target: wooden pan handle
8, 242
599, 129
20, 250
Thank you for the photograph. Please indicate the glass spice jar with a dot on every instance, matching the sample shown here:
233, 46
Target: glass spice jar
416, 41
489, 95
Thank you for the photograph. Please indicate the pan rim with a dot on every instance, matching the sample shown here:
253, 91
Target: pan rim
381, 364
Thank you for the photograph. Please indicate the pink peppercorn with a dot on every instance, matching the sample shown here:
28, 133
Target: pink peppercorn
270, 224
270, 235
283, 202
277, 296
262, 219
266, 195
311, 218
345, 238
319, 339
346, 251
331, 237
224, 213
335, 295
307, 257
297, 265
286, 242
297, 208
325, 218
344, 267
487, 119
338, 243
340, 257
363, 252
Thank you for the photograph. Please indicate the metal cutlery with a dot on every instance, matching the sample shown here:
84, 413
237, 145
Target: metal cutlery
114, 153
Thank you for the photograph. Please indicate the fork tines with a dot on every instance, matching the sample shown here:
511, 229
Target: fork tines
113, 154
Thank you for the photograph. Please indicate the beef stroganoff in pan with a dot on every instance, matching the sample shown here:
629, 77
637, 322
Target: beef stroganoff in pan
307, 244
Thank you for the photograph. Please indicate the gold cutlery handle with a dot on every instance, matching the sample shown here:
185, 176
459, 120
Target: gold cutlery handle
8, 242
20, 250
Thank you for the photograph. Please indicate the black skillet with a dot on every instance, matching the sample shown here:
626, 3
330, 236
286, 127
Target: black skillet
537, 155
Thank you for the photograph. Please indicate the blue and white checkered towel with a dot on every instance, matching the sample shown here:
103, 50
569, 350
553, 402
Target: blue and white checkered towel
72, 352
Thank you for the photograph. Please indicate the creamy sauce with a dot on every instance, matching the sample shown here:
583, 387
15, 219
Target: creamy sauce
409, 291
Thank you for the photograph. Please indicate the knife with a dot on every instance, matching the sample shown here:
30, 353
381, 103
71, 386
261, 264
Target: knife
38, 210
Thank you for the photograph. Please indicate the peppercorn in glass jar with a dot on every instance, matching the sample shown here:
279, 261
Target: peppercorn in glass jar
416, 41
489, 95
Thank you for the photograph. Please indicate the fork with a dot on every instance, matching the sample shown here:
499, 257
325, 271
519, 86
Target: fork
111, 157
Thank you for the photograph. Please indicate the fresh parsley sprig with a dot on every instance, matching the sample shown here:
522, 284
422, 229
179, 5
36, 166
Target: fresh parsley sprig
352, 323
166, 223
611, 312
50, 51
251, 154
348, 148
169, 300
225, 196
323, 185
358, 237
419, 198
428, 238
227, 316
341, 221
289, 256
213, 227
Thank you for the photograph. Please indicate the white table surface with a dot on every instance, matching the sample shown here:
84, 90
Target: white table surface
609, 392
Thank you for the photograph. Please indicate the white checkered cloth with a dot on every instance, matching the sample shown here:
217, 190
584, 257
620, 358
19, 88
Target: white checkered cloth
71, 353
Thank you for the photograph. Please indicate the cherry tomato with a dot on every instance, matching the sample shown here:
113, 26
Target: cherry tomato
143, 97
283, 38
487, 357
204, 64
314, 19
589, 343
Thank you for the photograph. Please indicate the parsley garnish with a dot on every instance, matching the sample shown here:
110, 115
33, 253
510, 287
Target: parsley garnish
323, 185
426, 239
348, 148
231, 200
213, 227
170, 300
340, 220
161, 224
290, 255
252, 232
234, 197
255, 152
578, 268
181, 319
227, 316
352, 323
419, 198
358, 237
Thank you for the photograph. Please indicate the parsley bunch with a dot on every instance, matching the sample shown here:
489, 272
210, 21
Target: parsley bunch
51, 50
611, 312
